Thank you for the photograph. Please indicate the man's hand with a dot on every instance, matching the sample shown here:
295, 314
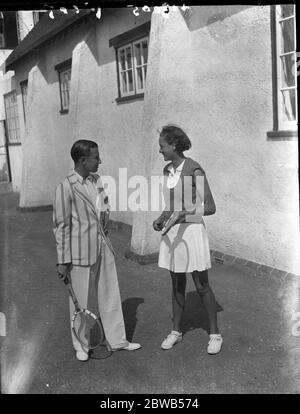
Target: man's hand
63, 271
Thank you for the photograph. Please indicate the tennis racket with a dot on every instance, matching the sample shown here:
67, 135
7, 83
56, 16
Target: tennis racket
86, 326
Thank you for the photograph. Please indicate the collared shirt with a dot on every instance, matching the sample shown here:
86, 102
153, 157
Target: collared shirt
174, 175
89, 185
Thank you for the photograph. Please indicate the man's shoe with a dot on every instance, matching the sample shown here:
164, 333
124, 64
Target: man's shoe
214, 344
132, 346
173, 338
82, 356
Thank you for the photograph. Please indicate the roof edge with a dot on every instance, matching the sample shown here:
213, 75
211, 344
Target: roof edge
12, 59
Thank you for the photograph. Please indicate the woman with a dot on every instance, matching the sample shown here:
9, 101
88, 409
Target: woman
184, 248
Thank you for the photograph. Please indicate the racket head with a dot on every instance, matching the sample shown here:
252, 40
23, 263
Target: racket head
87, 328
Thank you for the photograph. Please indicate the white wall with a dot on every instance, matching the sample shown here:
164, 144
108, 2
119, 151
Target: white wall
119, 124
48, 135
211, 73
94, 113
215, 80
4, 53
25, 22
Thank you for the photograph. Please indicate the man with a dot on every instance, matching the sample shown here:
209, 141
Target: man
85, 254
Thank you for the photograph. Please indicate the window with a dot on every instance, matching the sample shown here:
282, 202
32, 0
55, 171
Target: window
37, 16
132, 59
2, 43
8, 30
64, 77
132, 67
284, 68
12, 118
24, 86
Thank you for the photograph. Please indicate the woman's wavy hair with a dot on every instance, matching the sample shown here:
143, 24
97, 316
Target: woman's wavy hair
173, 134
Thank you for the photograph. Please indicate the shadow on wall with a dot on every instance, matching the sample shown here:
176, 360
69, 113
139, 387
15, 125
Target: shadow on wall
198, 17
48, 72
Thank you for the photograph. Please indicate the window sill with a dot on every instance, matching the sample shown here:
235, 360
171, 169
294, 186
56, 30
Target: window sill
64, 111
282, 135
14, 144
130, 98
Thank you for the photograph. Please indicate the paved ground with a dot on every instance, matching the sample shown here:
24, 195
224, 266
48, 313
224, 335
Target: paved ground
261, 341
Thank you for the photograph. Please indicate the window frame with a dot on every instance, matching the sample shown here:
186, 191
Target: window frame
281, 129
119, 50
61, 68
136, 90
15, 118
121, 41
142, 90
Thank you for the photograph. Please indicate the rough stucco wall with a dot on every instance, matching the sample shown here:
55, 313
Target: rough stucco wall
25, 19
94, 113
168, 99
49, 134
119, 125
254, 180
4, 53
217, 85
16, 158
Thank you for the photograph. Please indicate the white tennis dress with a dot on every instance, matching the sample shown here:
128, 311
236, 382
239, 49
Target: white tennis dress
185, 247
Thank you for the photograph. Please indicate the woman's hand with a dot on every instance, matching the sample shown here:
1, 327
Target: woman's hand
179, 216
157, 224
175, 218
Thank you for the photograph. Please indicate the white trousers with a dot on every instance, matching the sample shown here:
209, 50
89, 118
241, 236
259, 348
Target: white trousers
97, 289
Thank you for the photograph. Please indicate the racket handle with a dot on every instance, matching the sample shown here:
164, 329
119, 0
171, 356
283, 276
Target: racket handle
169, 223
66, 280
71, 292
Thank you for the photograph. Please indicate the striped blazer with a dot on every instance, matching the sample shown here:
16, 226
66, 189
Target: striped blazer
76, 223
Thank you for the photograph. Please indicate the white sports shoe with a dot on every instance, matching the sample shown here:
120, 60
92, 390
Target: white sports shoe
214, 344
173, 338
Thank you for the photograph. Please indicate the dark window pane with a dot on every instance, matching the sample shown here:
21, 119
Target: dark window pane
128, 58
130, 81
287, 10
288, 70
122, 59
145, 52
140, 78
138, 54
124, 83
10, 27
289, 105
288, 37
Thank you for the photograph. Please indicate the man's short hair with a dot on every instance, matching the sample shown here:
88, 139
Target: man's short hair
82, 148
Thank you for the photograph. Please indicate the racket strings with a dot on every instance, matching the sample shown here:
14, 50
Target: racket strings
88, 329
